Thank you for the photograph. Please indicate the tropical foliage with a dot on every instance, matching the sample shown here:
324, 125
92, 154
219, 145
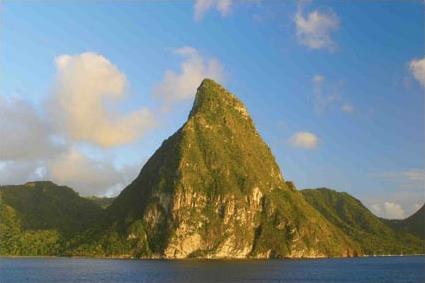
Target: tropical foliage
212, 189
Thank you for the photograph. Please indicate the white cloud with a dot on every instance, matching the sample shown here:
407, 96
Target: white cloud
202, 6
417, 67
25, 133
314, 30
20, 171
404, 187
82, 114
85, 83
322, 100
412, 178
327, 94
88, 176
224, 7
415, 175
389, 210
72, 168
305, 140
182, 86
318, 80
347, 107
43, 145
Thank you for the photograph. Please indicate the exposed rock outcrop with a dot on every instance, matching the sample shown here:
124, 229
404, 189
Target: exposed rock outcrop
214, 190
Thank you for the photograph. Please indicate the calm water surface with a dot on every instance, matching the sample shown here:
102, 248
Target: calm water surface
76, 270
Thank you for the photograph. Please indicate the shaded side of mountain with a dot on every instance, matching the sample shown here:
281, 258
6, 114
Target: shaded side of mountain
374, 236
38, 218
214, 190
102, 202
414, 224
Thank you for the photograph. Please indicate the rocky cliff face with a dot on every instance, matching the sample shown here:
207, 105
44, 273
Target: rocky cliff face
214, 190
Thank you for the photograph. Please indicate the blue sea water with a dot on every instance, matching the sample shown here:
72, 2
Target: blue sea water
76, 270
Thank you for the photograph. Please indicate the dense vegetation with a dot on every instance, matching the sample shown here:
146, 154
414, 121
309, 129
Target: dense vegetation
213, 189
15, 241
218, 177
44, 205
39, 218
373, 234
103, 202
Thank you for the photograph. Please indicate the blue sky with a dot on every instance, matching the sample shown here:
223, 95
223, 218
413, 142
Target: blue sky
335, 88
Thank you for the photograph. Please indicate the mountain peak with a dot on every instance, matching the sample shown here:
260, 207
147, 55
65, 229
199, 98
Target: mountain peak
209, 82
214, 190
211, 97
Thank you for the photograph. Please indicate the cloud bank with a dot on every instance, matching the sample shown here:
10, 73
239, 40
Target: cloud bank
91, 176
84, 117
29, 135
404, 188
45, 142
31, 150
389, 210
85, 84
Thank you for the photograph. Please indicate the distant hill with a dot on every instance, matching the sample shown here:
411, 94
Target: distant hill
350, 215
103, 202
212, 190
414, 224
38, 217
45, 205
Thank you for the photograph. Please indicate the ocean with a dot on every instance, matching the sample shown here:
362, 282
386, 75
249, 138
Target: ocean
403, 269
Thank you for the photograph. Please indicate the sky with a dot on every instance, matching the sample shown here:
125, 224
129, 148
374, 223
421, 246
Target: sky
90, 89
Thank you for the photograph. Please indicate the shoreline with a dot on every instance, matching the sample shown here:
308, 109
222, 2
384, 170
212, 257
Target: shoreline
203, 259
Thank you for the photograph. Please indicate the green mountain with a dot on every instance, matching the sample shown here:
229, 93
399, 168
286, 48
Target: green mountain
414, 224
214, 190
350, 215
37, 218
103, 202
211, 190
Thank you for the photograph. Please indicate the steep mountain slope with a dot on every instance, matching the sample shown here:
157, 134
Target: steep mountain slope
37, 218
214, 189
351, 216
414, 224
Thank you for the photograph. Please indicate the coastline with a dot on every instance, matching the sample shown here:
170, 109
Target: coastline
203, 258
